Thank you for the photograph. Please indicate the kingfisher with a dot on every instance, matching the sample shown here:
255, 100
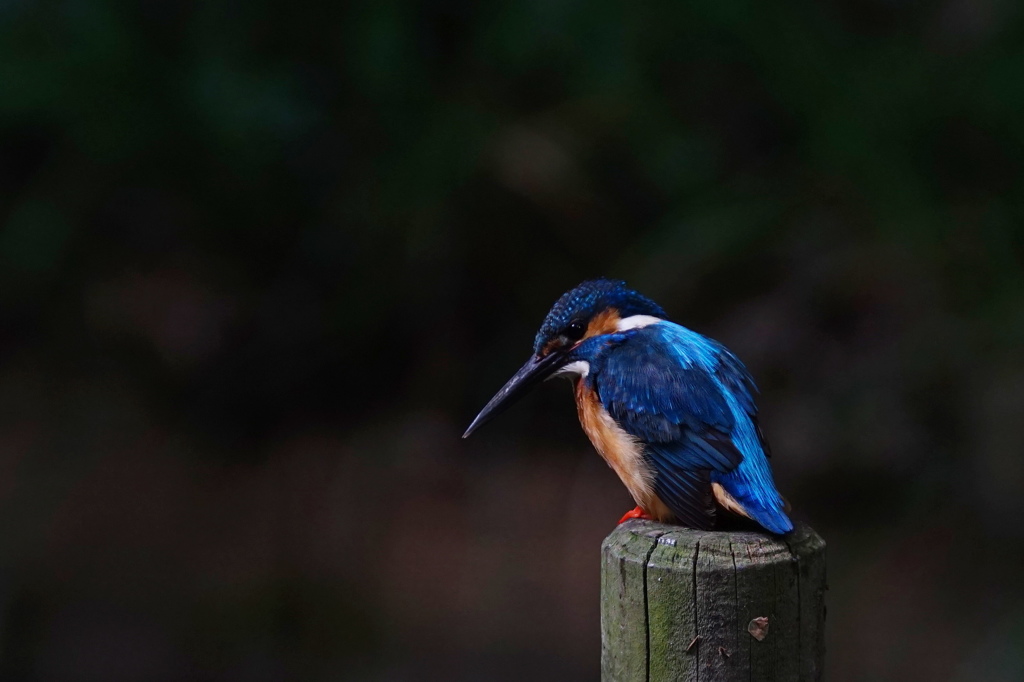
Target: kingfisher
671, 411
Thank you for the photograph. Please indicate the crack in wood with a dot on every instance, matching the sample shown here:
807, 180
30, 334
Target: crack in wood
693, 572
647, 606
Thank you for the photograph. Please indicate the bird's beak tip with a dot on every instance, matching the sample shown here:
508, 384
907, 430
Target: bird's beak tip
472, 427
535, 369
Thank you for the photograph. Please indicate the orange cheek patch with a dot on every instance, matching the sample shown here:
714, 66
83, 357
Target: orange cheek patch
603, 323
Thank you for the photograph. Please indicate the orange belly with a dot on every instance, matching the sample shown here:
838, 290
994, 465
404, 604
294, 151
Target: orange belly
622, 452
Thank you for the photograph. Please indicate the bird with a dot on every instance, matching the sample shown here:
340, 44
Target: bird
671, 411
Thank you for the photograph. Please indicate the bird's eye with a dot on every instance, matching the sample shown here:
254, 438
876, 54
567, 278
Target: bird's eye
575, 330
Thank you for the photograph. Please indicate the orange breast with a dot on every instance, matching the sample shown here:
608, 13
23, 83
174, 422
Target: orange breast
622, 452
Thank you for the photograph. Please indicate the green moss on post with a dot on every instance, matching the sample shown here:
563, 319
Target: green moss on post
680, 604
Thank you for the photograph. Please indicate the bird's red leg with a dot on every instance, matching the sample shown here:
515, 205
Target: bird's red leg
636, 513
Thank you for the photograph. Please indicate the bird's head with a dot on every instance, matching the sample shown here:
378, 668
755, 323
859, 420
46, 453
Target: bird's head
593, 308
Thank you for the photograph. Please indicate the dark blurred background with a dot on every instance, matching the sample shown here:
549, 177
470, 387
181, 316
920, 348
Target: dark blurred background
260, 264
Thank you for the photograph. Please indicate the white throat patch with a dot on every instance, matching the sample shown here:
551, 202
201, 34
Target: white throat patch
636, 322
580, 368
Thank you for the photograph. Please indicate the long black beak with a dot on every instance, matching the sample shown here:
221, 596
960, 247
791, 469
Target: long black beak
532, 373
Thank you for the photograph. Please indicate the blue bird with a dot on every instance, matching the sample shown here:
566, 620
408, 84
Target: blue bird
672, 412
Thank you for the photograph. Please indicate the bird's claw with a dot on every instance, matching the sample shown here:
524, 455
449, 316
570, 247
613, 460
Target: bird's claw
636, 513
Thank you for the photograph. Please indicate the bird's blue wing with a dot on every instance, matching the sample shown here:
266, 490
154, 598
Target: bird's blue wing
736, 379
660, 386
690, 401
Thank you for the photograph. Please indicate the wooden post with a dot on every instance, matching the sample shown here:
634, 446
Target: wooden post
681, 604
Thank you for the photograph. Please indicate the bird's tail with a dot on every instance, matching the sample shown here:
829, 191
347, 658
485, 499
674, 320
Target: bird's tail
740, 493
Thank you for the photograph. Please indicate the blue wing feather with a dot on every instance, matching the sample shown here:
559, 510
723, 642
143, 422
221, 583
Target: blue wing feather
686, 492
691, 402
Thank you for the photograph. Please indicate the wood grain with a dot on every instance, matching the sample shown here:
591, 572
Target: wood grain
680, 604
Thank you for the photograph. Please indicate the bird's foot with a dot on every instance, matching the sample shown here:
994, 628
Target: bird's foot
636, 513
